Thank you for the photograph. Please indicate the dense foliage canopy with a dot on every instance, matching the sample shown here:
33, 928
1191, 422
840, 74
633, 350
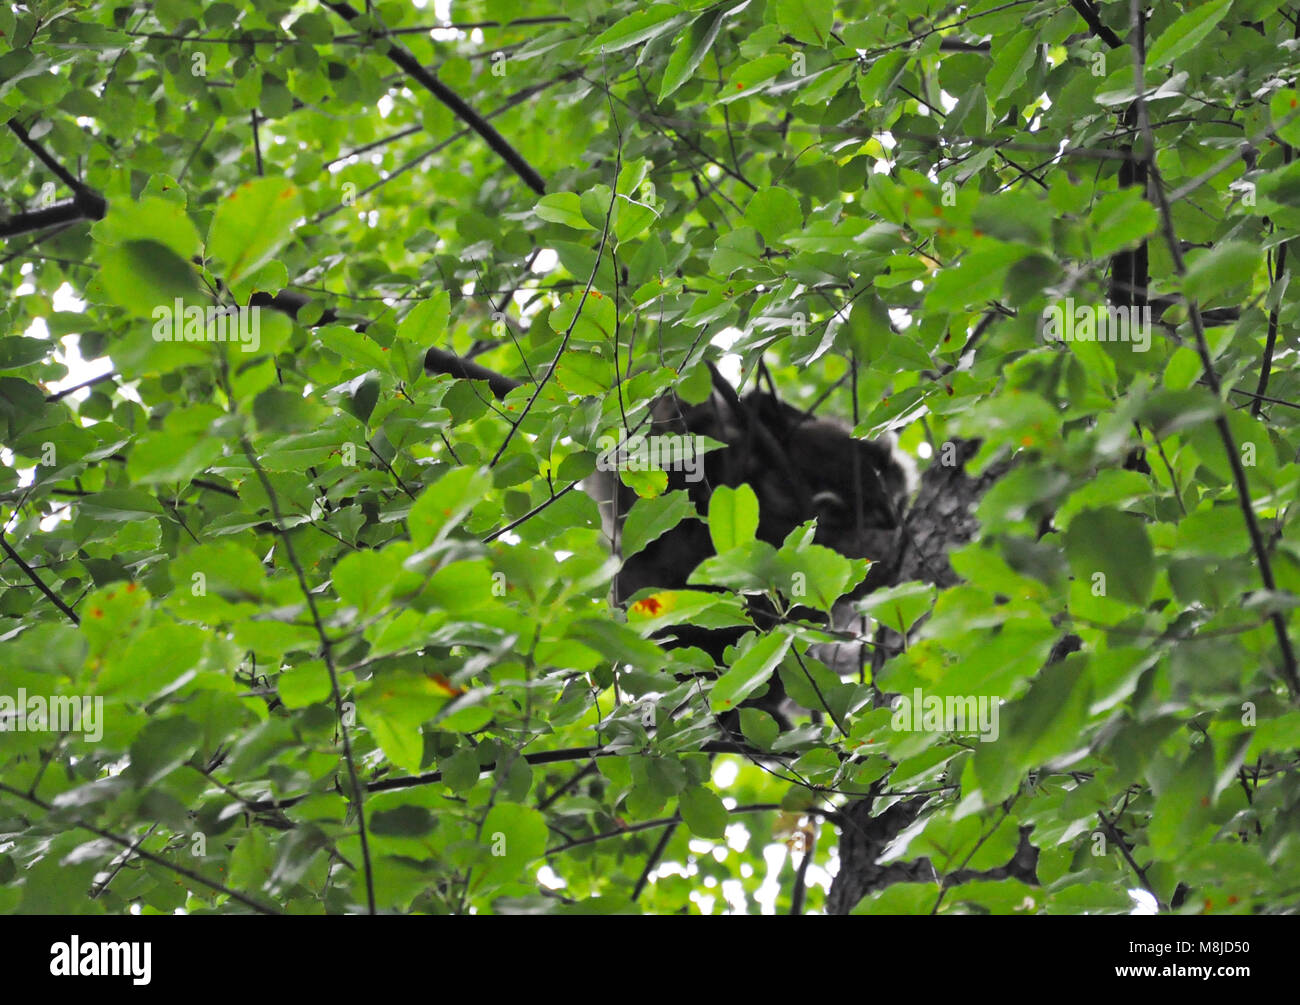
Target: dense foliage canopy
348, 622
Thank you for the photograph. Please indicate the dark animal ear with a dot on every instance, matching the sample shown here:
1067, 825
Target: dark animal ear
896, 469
775, 414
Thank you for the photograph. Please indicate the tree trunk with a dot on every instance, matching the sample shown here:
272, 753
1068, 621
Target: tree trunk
941, 518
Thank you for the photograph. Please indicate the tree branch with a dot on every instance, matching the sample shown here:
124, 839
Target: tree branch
60, 395
1138, 871
435, 360
1270, 343
85, 204
541, 757
40, 583
573, 323
1093, 20
653, 860
457, 104
440, 361
44, 156
327, 654
146, 855
1289, 672
1266, 364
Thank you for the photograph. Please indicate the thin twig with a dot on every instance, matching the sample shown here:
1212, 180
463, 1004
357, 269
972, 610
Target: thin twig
121, 862
40, 583
327, 654
573, 322
653, 860
149, 856
1207, 362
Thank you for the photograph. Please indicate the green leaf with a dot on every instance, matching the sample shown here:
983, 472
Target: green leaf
252, 224
366, 579
1112, 553
1121, 219
427, 320
180, 450
749, 671
817, 576
121, 505
703, 812
162, 747
400, 740
733, 517
445, 503
1284, 107
404, 821
565, 208
692, 45
142, 275
773, 212
806, 20
461, 770
1183, 804
280, 411
759, 728
899, 607
357, 349
1223, 267
651, 518
275, 97
753, 76
696, 386
303, 685
512, 837
666, 775
878, 81
1186, 33
869, 328
151, 219
584, 373
595, 323
749, 568
1011, 60
16, 351
638, 27
155, 661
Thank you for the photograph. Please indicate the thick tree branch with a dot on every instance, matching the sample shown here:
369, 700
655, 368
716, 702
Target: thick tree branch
440, 361
435, 360
83, 207
1093, 20
43, 155
85, 204
457, 104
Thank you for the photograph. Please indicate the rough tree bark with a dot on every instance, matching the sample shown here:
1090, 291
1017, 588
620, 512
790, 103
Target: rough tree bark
941, 518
